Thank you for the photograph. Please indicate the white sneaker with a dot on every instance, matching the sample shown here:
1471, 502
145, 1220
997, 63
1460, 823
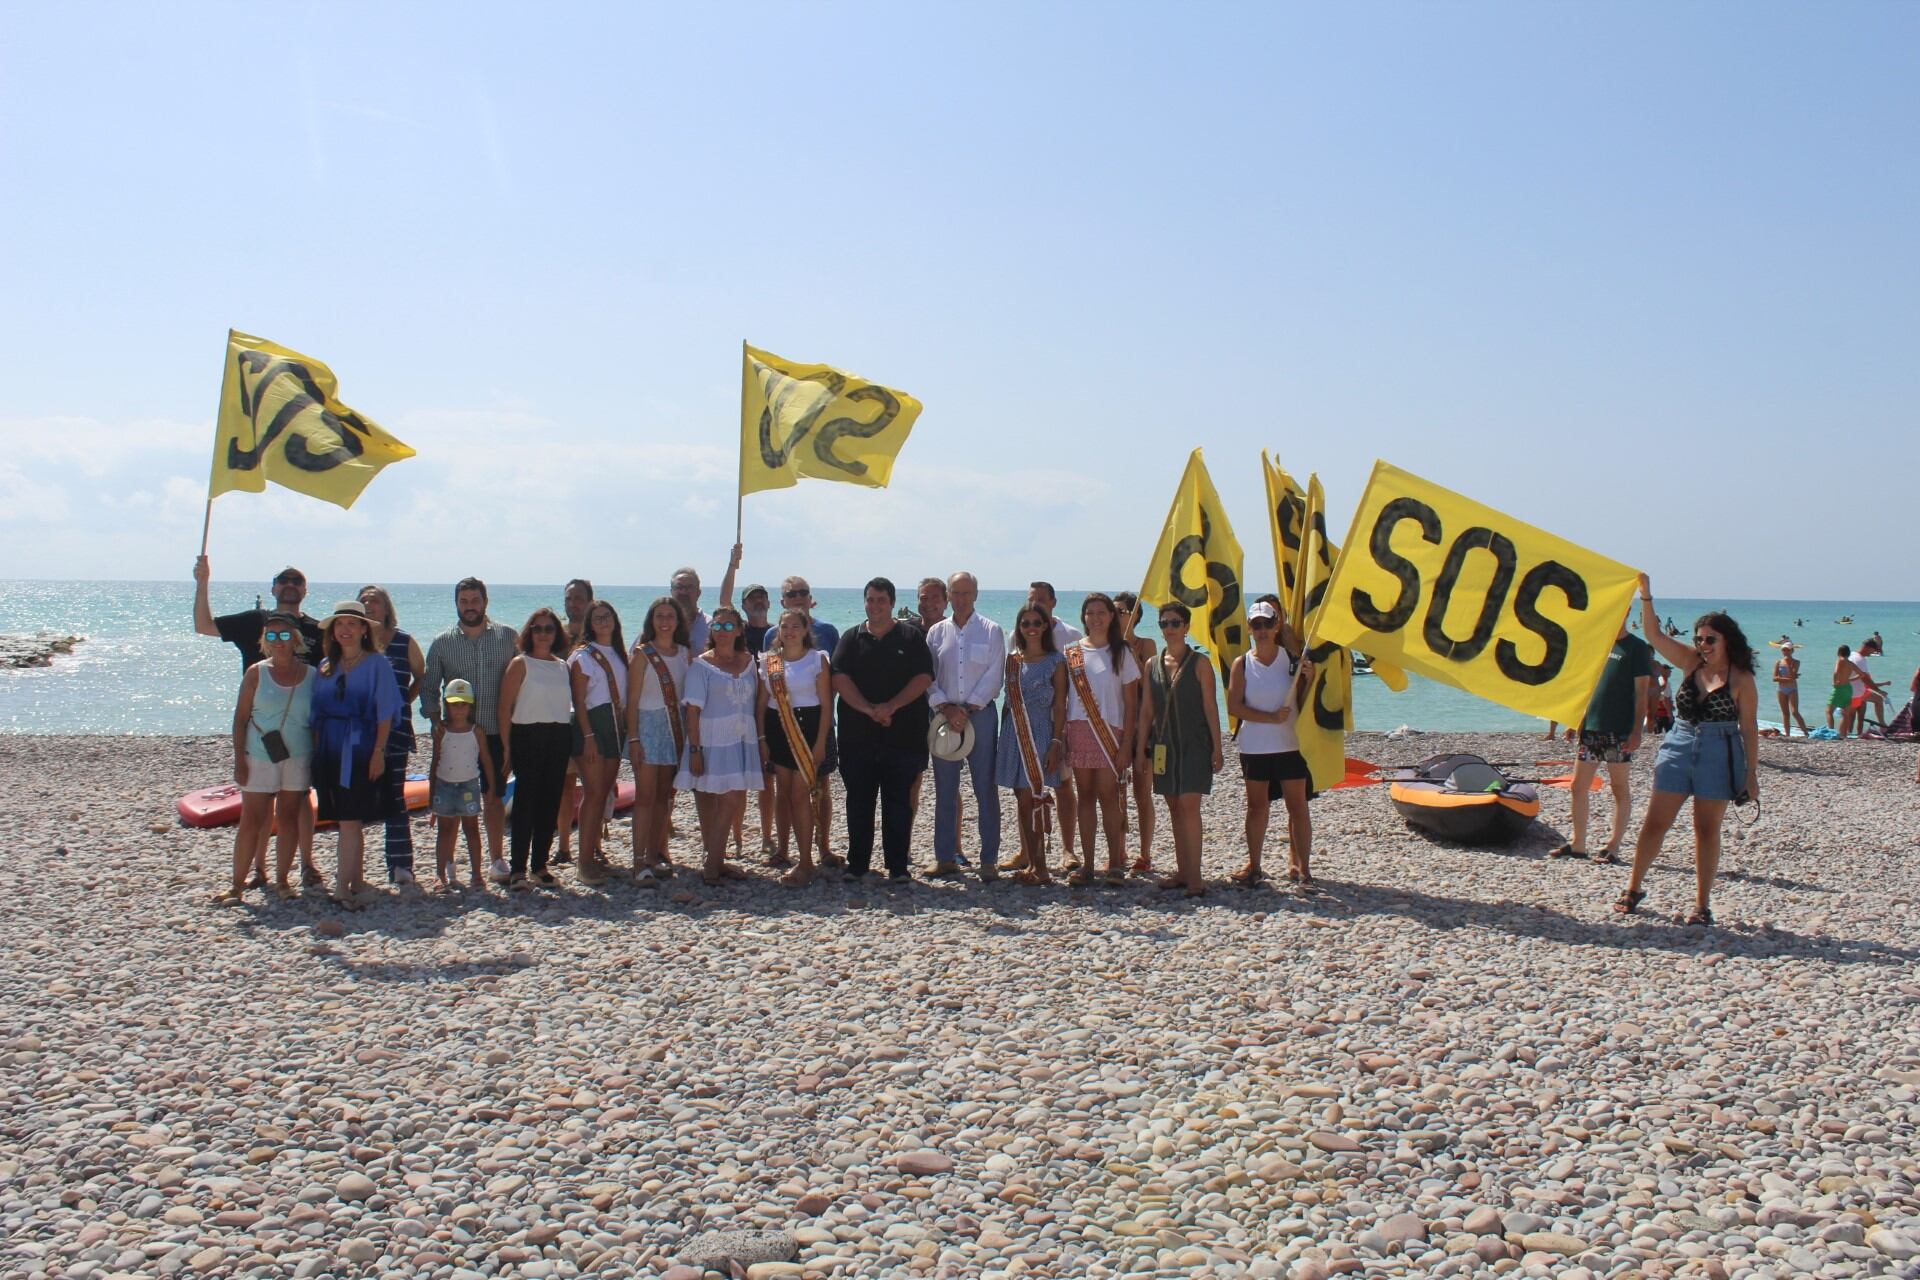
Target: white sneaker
501, 871
403, 877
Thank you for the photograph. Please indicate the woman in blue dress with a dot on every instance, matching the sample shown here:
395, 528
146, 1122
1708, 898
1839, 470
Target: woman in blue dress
1042, 695
354, 702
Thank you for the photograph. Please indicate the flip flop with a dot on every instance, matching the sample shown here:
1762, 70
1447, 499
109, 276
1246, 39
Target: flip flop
1566, 851
1247, 877
730, 872
1610, 857
229, 898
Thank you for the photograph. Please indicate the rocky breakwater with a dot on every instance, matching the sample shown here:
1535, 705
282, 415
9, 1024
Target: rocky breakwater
17, 652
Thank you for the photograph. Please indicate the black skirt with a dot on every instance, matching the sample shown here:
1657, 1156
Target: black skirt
366, 800
778, 751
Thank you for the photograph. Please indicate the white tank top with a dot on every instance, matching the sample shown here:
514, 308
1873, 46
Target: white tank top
459, 756
803, 679
1267, 690
546, 697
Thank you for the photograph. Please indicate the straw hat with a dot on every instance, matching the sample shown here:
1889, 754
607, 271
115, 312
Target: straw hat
946, 744
345, 609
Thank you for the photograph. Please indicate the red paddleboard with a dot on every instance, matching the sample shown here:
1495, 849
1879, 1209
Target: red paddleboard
210, 806
220, 806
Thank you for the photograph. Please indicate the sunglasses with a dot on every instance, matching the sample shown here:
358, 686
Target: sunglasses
543, 628
276, 636
1172, 624
1262, 624
1698, 641
726, 626
1034, 624
289, 582
793, 595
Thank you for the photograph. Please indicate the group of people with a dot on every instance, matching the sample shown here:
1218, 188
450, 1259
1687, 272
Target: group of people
745, 702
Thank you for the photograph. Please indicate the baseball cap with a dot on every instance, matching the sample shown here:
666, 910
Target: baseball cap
457, 691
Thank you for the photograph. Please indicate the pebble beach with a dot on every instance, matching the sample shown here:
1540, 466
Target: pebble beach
1452, 1061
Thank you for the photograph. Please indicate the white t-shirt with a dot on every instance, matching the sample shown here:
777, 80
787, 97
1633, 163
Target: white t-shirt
803, 679
1859, 685
651, 698
1106, 686
1267, 689
582, 659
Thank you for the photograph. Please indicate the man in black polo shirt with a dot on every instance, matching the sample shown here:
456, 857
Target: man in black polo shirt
881, 670
242, 630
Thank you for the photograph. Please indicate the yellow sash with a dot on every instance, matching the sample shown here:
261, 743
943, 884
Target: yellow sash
1077, 671
1023, 728
790, 723
669, 695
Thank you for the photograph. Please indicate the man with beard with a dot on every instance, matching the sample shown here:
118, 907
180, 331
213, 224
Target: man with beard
476, 650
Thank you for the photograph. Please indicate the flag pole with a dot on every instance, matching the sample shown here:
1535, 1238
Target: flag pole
206, 525
740, 478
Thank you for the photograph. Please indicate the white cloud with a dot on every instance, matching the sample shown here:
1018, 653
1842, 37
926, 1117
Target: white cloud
95, 448
30, 500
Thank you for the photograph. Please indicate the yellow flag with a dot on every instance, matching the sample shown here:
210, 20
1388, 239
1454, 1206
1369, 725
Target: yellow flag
1473, 598
816, 422
280, 420
1305, 561
1198, 563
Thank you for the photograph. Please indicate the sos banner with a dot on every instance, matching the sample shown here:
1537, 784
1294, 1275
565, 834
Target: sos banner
1198, 563
1472, 598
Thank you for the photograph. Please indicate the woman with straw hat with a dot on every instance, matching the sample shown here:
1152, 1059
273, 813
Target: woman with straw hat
353, 708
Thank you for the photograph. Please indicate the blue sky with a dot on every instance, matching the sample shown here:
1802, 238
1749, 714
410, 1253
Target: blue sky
1643, 275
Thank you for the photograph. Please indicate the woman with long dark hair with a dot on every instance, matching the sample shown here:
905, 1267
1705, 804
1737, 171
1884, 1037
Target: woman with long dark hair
536, 719
656, 697
1103, 681
1144, 653
1031, 725
1184, 743
598, 671
1712, 753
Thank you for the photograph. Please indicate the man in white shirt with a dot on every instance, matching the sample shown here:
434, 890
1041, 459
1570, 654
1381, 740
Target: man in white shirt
1041, 596
969, 668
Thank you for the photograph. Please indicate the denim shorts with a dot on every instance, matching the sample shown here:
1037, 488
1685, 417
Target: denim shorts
456, 799
1706, 761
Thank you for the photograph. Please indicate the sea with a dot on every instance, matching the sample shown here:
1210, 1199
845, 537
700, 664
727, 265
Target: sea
143, 670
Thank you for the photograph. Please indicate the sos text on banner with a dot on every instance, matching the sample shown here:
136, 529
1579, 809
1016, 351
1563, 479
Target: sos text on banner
815, 422
1304, 557
281, 420
1474, 598
1198, 563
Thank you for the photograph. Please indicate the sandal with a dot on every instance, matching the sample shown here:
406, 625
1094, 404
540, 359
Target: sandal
1248, 876
284, 891
798, 878
730, 872
310, 877
1701, 918
779, 861
1629, 901
1116, 876
229, 898
1566, 851
1142, 865
1079, 880
1608, 857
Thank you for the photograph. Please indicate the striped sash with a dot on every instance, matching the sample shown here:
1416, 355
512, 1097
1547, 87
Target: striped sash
1077, 671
